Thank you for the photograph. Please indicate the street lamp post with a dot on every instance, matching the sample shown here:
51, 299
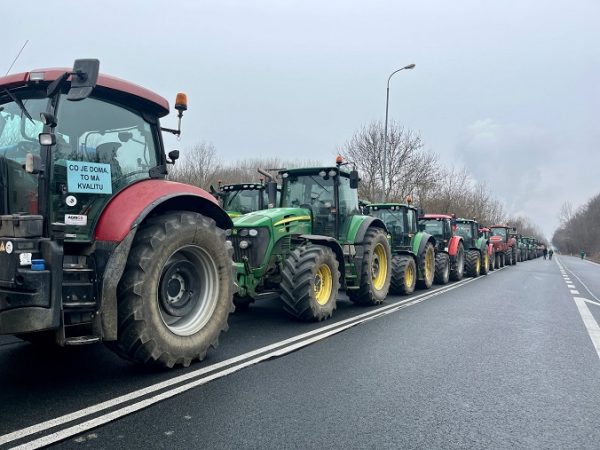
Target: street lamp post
387, 101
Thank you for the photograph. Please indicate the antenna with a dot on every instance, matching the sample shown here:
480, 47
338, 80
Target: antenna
16, 57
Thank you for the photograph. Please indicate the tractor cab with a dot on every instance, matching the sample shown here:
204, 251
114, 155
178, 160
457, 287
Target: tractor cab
400, 220
439, 226
468, 229
328, 195
500, 233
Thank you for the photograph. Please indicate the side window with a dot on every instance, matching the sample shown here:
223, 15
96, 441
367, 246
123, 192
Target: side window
412, 220
348, 198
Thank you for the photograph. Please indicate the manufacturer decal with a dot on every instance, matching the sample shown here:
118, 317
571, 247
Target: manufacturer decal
89, 178
76, 219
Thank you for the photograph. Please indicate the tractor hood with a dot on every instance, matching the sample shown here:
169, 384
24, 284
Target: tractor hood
272, 217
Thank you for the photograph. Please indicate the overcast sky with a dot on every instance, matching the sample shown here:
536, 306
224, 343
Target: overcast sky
508, 88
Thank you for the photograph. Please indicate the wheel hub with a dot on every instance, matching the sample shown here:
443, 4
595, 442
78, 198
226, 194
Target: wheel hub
177, 287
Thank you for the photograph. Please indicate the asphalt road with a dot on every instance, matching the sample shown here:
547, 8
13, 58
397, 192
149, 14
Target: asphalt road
506, 360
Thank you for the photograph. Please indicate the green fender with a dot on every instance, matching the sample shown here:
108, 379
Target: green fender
359, 226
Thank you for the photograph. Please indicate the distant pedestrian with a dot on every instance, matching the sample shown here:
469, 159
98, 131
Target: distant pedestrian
545, 252
550, 253
582, 254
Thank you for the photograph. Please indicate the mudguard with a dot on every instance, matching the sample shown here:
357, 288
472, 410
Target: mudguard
364, 226
420, 241
453, 245
133, 204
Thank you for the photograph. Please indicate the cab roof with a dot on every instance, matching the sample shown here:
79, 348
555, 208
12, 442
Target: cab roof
436, 216
389, 205
306, 170
129, 92
241, 186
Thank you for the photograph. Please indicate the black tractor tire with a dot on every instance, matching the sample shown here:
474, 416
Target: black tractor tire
176, 292
306, 270
514, 256
508, 257
473, 263
427, 256
242, 304
375, 272
442, 268
404, 275
485, 262
458, 271
493, 261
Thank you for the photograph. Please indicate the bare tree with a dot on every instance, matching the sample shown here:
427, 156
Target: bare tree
199, 166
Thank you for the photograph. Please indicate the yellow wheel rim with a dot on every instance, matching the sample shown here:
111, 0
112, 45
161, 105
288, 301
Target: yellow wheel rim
429, 264
323, 284
409, 275
486, 261
379, 267
478, 265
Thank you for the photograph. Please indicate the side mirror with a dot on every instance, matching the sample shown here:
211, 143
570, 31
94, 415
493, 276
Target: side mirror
47, 139
2, 121
420, 212
83, 79
272, 193
354, 179
421, 227
173, 156
48, 119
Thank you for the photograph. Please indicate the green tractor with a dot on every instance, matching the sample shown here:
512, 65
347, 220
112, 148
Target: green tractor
241, 198
315, 243
476, 247
414, 251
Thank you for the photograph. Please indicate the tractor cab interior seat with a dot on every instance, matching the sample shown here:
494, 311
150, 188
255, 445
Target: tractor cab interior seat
107, 153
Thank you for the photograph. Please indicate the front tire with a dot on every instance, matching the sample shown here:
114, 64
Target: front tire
310, 283
176, 292
375, 274
485, 263
404, 275
427, 266
473, 263
442, 268
458, 264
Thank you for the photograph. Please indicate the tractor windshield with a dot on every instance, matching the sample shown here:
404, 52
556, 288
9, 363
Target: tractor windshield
19, 137
244, 200
434, 227
499, 232
310, 191
465, 230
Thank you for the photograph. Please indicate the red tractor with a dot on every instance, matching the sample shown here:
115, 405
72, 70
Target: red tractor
486, 234
505, 246
449, 249
95, 243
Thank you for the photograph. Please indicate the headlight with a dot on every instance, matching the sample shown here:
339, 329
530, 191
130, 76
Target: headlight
228, 232
253, 232
244, 245
243, 232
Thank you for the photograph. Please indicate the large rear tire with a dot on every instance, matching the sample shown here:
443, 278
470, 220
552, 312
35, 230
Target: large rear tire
427, 266
493, 261
458, 264
508, 261
442, 268
310, 283
485, 263
514, 256
176, 293
375, 271
404, 275
473, 263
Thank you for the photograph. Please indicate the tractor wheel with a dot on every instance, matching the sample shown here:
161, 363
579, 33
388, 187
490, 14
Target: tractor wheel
458, 264
375, 271
404, 275
493, 261
473, 263
427, 266
176, 292
442, 268
242, 304
514, 257
508, 257
485, 263
310, 282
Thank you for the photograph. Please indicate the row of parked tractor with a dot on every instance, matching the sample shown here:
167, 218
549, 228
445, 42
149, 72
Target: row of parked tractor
96, 245
320, 238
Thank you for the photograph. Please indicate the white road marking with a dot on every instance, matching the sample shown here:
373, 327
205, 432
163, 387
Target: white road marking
298, 341
571, 286
113, 415
574, 291
585, 286
592, 302
590, 323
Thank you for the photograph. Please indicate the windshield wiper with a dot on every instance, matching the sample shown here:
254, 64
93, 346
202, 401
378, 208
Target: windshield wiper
19, 104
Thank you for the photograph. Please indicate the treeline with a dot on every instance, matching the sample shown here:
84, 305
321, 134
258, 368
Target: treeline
410, 169
579, 230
